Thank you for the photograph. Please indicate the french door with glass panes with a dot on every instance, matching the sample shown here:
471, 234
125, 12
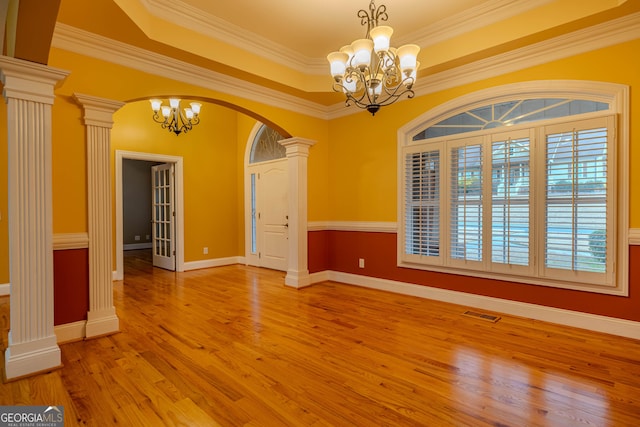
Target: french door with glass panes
163, 224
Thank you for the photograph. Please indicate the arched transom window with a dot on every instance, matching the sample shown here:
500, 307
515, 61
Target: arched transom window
509, 113
266, 147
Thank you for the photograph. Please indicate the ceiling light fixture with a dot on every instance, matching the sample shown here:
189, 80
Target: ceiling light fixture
172, 118
369, 71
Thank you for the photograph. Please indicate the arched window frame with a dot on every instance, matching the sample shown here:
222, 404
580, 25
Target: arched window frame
616, 96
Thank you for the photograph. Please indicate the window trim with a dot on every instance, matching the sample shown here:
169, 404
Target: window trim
616, 95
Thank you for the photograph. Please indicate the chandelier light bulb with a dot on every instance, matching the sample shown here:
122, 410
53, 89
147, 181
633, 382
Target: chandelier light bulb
166, 111
349, 86
381, 37
338, 61
155, 104
408, 55
174, 103
362, 52
195, 106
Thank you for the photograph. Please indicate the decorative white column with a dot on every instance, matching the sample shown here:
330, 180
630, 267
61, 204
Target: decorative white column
29, 94
98, 118
297, 155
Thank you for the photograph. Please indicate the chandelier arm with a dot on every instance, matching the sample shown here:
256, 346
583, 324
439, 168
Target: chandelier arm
159, 118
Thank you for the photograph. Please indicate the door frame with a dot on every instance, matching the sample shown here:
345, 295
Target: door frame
120, 155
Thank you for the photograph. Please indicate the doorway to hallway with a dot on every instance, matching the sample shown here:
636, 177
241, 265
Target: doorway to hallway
168, 232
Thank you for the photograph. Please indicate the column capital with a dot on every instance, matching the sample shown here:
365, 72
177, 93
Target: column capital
297, 146
98, 111
28, 80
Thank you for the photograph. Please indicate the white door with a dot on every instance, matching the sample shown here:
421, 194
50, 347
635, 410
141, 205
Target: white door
163, 223
272, 216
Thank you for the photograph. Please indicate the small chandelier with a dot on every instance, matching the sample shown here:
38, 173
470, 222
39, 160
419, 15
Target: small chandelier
172, 118
371, 73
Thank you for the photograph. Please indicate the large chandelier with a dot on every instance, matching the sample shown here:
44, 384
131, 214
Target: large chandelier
371, 73
172, 118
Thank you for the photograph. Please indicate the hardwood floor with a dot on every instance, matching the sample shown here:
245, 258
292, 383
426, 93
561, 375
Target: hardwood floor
232, 346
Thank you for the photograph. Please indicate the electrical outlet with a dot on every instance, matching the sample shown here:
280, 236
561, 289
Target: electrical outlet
136, 238
205, 250
361, 262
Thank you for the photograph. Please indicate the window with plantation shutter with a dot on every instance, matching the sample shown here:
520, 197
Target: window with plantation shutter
534, 202
577, 204
465, 230
422, 198
510, 201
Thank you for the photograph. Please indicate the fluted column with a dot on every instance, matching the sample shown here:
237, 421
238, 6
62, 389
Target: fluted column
98, 119
28, 89
297, 155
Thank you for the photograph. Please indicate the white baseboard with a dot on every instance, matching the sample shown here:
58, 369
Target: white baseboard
5, 289
102, 322
593, 322
209, 263
68, 332
39, 355
133, 246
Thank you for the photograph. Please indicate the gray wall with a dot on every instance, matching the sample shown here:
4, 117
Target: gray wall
136, 201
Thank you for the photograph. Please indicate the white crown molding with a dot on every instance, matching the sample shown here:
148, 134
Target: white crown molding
597, 37
593, 322
70, 241
365, 226
92, 45
471, 19
634, 236
187, 16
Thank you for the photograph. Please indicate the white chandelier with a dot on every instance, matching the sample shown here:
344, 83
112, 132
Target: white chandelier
174, 119
369, 71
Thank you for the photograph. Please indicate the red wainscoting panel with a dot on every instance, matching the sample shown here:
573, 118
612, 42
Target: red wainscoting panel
318, 257
344, 248
70, 285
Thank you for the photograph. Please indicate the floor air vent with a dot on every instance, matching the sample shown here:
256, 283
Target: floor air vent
482, 316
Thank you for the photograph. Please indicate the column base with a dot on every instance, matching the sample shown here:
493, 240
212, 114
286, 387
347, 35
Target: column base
30, 358
103, 322
297, 279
